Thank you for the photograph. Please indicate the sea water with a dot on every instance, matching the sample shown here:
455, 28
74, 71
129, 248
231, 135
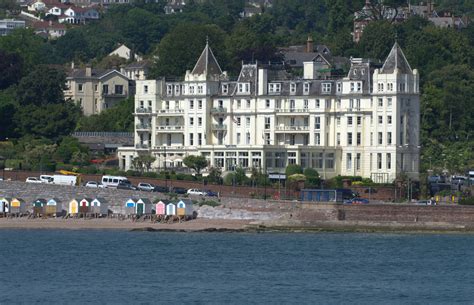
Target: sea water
119, 267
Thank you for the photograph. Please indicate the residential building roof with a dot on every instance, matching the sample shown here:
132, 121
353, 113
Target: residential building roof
207, 63
396, 60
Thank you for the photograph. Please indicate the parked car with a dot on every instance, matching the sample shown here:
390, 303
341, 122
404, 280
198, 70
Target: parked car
197, 192
356, 201
93, 184
161, 189
33, 180
179, 190
211, 193
147, 187
126, 186
426, 202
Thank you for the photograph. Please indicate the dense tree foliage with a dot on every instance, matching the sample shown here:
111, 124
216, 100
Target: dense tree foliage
118, 118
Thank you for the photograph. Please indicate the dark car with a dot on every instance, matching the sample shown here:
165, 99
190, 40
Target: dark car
126, 186
161, 189
211, 193
359, 201
180, 190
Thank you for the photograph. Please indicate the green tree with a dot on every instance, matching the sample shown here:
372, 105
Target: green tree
11, 65
377, 40
143, 163
292, 169
115, 119
42, 86
312, 177
197, 163
67, 147
25, 43
215, 174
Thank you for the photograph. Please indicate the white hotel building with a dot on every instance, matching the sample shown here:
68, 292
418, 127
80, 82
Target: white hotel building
366, 123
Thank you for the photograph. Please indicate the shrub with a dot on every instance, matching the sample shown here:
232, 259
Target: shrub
292, 169
467, 200
150, 175
210, 203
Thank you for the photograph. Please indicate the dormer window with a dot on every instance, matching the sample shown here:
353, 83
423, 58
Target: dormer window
274, 87
176, 90
225, 88
380, 87
292, 88
244, 87
326, 87
338, 87
306, 87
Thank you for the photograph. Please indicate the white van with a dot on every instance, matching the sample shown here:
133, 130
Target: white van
113, 181
46, 178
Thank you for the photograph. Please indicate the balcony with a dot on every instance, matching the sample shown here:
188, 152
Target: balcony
142, 127
143, 110
293, 111
120, 94
291, 128
170, 128
175, 111
219, 127
219, 110
142, 146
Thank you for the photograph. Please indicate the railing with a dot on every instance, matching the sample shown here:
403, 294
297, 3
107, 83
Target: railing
143, 110
171, 111
292, 128
170, 127
219, 110
293, 110
219, 127
143, 126
112, 94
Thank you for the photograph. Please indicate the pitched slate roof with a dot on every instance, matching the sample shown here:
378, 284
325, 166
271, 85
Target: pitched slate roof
207, 63
396, 59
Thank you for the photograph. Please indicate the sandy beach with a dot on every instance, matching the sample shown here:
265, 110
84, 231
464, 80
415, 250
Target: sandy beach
95, 224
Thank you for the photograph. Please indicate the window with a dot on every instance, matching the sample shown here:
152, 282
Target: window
199, 139
306, 87
380, 102
338, 139
191, 139
177, 89
389, 138
247, 121
358, 104
267, 122
389, 119
225, 88
338, 103
329, 160
267, 139
380, 138
359, 86
349, 138
239, 104
247, 141
380, 119
349, 121
267, 103
379, 161
359, 138
339, 87
326, 88
380, 87
199, 104
348, 161
371, 138
338, 121
318, 104
96, 88
167, 105
238, 121
169, 89
238, 138
145, 89
317, 138
328, 103
317, 123
243, 87
200, 121
200, 89
351, 103
358, 161
292, 139
306, 104
191, 121
248, 103
274, 87
352, 87
389, 161
390, 86
402, 87
191, 104
292, 88
389, 102
80, 87
359, 120
191, 89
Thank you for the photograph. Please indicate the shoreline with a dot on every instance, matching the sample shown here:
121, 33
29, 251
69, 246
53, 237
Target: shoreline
233, 225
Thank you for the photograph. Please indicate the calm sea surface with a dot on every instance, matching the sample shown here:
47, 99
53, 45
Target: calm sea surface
117, 267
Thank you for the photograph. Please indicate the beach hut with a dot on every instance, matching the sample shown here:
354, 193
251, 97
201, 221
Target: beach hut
171, 209
84, 206
5, 205
38, 207
143, 207
185, 209
99, 206
160, 208
53, 207
73, 208
17, 206
130, 207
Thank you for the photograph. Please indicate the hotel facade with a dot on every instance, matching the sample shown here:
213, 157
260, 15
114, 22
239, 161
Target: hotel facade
364, 123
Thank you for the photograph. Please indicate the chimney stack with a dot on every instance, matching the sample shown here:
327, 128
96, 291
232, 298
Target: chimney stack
309, 45
88, 71
72, 65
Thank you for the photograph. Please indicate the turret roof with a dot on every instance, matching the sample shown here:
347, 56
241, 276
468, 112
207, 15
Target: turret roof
396, 59
207, 63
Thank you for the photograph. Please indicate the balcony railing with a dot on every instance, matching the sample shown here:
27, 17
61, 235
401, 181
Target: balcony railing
292, 128
293, 110
171, 111
219, 127
143, 110
217, 110
115, 94
170, 127
143, 126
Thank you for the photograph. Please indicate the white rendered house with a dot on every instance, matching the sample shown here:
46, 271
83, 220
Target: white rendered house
365, 123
